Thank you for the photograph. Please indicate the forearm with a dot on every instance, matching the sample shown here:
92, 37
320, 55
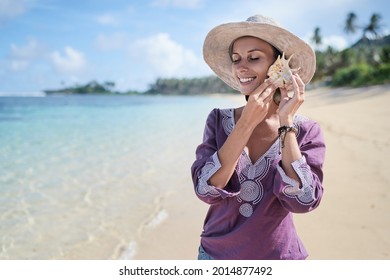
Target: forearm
290, 153
303, 195
289, 148
230, 152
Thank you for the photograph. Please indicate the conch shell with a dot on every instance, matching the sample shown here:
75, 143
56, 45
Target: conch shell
280, 73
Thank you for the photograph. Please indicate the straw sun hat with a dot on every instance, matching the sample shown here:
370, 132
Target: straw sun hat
218, 40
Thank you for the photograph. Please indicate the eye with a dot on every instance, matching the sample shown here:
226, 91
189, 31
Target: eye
235, 59
253, 58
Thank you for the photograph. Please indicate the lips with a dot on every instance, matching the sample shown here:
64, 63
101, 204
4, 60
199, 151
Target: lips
246, 80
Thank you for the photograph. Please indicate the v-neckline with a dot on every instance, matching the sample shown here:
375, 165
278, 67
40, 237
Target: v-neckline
244, 153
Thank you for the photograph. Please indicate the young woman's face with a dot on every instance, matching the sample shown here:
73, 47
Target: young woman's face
251, 58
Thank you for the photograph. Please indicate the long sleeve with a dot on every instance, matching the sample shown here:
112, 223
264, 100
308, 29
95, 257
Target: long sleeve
207, 163
306, 197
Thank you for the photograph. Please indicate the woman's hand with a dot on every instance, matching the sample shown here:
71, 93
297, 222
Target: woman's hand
258, 104
289, 105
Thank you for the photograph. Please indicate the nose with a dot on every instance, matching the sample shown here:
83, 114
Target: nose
241, 66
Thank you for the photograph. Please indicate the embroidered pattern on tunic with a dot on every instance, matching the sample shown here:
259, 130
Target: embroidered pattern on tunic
305, 194
250, 175
203, 187
227, 123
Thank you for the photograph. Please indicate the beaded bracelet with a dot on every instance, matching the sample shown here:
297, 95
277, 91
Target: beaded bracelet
282, 131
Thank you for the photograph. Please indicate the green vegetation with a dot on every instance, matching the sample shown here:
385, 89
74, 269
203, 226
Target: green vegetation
367, 62
172, 86
91, 87
204, 85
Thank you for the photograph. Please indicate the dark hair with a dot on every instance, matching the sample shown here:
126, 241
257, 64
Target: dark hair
276, 52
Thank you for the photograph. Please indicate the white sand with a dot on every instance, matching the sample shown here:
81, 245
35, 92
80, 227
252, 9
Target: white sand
353, 220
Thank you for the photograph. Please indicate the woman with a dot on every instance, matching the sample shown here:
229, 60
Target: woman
260, 163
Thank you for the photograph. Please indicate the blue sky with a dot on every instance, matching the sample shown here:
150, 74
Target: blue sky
48, 44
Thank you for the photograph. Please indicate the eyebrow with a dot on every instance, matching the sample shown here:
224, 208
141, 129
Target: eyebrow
253, 50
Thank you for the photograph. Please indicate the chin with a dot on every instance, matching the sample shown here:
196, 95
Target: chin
249, 89
247, 92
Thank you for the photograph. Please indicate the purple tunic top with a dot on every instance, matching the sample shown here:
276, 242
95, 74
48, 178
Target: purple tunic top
251, 218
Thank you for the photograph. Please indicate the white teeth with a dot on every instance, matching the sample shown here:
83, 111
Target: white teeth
244, 80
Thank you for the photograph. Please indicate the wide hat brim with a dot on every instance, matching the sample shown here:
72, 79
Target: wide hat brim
218, 40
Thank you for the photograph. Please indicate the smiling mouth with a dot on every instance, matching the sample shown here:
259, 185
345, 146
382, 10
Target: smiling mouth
246, 80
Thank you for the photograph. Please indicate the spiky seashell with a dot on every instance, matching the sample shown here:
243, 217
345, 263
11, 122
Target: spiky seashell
280, 73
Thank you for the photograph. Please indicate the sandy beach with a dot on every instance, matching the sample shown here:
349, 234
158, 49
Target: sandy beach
352, 221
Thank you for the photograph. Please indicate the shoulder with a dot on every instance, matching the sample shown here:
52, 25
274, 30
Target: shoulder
306, 126
218, 115
304, 122
221, 120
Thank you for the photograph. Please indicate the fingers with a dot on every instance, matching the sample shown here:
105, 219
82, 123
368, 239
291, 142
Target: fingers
299, 85
261, 88
263, 93
296, 92
292, 99
267, 94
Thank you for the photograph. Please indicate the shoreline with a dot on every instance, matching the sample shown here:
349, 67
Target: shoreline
351, 222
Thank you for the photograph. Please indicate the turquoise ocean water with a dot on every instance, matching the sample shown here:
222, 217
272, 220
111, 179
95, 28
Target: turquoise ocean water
80, 175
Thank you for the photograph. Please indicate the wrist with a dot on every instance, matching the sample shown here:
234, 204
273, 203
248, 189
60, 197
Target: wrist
283, 130
286, 121
287, 128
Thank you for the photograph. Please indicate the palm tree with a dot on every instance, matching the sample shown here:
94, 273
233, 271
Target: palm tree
317, 38
350, 24
374, 26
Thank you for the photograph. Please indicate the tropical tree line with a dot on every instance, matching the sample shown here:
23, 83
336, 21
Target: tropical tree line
91, 87
186, 86
366, 62
172, 86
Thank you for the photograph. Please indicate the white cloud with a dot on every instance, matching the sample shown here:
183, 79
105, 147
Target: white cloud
72, 61
11, 8
108, 20
31, 50
114, 41
20, 57
18, 65
164, 56
184, 4
335, 41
